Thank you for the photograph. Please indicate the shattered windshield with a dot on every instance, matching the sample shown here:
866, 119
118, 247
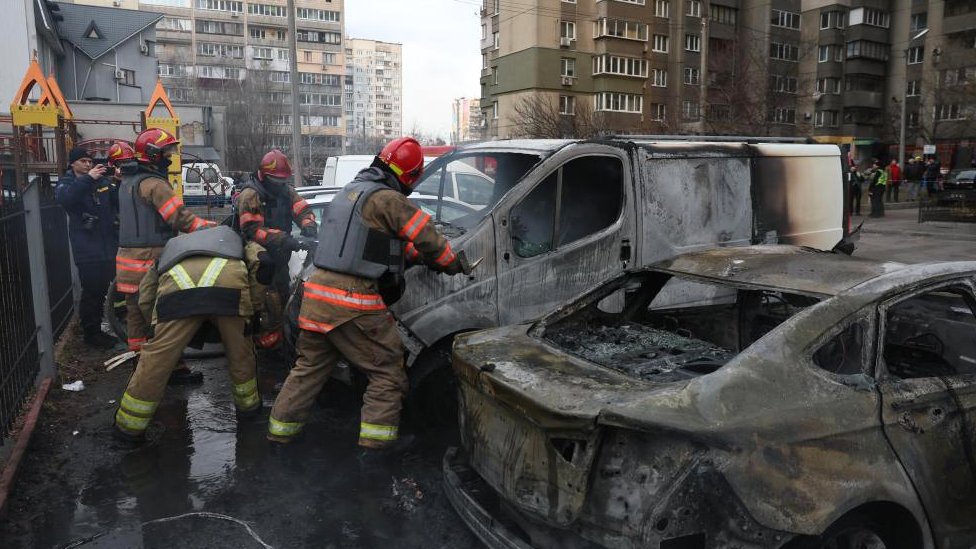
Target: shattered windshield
475, 180
662, 328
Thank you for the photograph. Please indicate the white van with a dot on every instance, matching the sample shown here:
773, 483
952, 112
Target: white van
340, 170
203, 184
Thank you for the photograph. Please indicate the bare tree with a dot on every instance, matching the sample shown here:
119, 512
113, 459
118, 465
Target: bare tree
537, 116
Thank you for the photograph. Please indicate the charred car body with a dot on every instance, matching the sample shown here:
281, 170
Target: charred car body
766, 396
563, 216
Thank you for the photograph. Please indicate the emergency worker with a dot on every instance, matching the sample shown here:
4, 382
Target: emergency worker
343, 314
267, 206
150, 214
206, 276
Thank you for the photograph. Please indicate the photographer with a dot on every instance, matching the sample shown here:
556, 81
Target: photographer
87, 192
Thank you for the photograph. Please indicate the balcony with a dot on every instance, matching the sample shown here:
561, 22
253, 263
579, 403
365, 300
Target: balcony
959, 23
873, 100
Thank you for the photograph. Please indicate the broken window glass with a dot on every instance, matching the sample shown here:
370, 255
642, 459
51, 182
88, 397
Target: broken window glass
473, 189
592, 195
843, 354
931, 335
533, 220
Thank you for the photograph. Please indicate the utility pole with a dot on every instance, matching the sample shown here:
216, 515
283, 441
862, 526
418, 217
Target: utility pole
296, 116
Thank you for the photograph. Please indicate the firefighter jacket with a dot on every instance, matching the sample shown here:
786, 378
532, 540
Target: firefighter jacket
331, 297
201, 282
266, 214
150, 214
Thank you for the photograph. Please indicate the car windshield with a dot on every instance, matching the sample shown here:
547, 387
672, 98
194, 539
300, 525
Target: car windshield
478, 180
660, 327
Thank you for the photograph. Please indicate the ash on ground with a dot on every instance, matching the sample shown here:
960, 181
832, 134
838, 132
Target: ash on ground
642, 351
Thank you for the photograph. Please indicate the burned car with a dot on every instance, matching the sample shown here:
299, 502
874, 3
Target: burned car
747, 397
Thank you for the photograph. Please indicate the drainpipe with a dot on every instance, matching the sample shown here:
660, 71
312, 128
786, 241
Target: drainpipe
118, 91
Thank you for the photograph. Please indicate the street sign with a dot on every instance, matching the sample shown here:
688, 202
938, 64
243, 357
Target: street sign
928, 149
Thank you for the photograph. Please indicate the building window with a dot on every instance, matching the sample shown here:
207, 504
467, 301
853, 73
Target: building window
784, 52
567, 66
567, 105
830, 53
261, 53
947, 112
692, 42
829, 85
864, 83
661, 43
913, 88
484, 31
868, 16
494, 110
825, 118
624, 66
693, 8
174, 24
319, 37
692, 76
494, 40
912, 119
659, 112
916, 55
782, 115
312, 14
208, 49
719, 113
638, 2
919, 21
659, 78
662, 8
323, 99
235, 6
831, 19
306, 55
256, 32
722, 14
328, 58
783, 84
620, 29
179, 95
784, 19
689, 110
567, 29
267, 10
484, 61
619, 102
866, 49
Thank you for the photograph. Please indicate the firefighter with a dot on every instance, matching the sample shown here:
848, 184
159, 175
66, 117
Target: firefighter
343, 314
267, 206
150, 214
203, 277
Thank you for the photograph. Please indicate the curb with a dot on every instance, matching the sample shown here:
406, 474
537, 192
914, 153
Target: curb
924, 234
20, 447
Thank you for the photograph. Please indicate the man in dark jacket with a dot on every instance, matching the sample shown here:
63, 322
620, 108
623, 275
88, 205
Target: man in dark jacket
855, 180
92, 202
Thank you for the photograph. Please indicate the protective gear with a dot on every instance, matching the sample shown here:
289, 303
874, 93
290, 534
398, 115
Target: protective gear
141, 225
217, 242
120, 152
291, 244
362, 251
310, 231
274, 165
266, 212
151, 143
405, 158
266, 268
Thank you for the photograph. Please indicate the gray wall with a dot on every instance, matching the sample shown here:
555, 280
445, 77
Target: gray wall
82, 78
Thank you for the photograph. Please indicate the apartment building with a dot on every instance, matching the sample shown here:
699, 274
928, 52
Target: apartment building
373, 93
236, 51
467, 122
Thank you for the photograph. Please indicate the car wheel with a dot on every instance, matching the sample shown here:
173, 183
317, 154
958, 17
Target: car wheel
852, 532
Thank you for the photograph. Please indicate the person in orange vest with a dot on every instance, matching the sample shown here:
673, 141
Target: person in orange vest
150, 214
343, 314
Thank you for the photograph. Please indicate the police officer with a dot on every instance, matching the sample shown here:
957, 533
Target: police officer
206, 276
367, 229
150, 214
267, 206
91, 201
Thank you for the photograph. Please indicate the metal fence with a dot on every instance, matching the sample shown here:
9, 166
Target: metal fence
956, 206
19, 364
57, 258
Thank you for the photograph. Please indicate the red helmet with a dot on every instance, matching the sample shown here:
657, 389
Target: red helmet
120, 152
151, 143
274, 164
405, 158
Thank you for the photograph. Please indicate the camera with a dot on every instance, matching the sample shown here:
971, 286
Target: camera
88, 221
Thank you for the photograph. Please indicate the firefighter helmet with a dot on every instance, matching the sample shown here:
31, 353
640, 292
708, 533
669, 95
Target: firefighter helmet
120, 152
405, 159
274, 166
151, 143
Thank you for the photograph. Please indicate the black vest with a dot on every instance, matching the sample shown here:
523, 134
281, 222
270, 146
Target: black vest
140, 225
275, 205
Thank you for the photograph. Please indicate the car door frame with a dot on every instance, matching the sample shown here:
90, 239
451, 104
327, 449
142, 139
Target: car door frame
916, 414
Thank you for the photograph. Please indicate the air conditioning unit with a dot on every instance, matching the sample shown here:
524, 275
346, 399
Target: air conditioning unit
116, 3
119, 74
568, 80
565, 41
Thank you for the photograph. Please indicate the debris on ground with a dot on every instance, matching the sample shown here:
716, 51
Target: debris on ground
407, 494
74, 386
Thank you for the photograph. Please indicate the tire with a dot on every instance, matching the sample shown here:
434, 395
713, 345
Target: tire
854, 531
432, 400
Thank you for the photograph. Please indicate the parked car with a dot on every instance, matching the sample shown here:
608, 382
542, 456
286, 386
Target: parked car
340, 170
462, 183
964, 180
760, 397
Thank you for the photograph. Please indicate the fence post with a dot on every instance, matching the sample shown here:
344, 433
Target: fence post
38, 269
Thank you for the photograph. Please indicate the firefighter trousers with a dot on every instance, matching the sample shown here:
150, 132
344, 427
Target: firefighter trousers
160, 356
371, 344
136, 325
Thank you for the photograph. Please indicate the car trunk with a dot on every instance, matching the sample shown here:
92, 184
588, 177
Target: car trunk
529, 423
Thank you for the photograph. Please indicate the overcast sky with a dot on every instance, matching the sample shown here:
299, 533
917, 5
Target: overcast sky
441, 52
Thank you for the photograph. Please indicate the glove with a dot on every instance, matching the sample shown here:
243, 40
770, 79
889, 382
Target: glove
291, 244
463, 262
311, 230
266, 268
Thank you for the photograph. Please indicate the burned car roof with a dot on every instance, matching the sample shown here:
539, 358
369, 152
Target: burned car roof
802, 270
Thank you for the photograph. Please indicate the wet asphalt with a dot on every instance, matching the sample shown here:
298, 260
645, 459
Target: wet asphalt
204, 477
